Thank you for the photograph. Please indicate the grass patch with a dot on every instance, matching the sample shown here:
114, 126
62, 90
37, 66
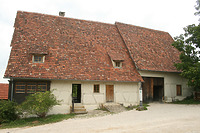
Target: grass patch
136, 106
187, 101
35, 121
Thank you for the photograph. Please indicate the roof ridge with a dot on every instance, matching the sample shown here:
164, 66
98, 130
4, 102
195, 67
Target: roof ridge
76, 19
142, 27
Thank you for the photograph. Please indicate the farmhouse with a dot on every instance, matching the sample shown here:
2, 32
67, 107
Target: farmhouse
91, 62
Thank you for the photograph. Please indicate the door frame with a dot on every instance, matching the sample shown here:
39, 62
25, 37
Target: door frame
77, 98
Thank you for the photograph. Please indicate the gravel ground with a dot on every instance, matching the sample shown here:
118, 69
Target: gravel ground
159, 118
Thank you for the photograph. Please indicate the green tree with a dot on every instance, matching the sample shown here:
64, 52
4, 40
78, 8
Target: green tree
189, 46
39, 103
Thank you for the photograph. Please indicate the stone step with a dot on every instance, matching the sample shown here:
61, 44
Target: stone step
78, 109
80, 112
114, 107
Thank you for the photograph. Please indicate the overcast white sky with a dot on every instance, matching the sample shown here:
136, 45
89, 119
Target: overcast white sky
166, 15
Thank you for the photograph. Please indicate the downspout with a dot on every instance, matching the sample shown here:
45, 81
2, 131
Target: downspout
11, 98
140, 93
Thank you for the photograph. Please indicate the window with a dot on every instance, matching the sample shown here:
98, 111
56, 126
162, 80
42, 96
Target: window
20, 87
178, 90
42, 87
117, 64
30, 87
96, 88
38, 58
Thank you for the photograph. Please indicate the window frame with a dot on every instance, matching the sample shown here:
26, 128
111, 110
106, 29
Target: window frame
96, 88
32, 84
178, 90
18, 84
38, 56
117, 64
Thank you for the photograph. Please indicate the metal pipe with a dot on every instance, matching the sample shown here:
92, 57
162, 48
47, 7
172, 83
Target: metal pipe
11, 98
140, 94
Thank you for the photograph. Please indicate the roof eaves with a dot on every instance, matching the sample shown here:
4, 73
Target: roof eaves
160, 71
14, 78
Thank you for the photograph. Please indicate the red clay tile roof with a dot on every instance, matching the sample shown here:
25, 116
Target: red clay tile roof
150, 49
4, 91
115, 56
76, 50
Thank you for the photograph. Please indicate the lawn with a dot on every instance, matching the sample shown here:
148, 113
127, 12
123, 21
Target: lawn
35, 121
188, 100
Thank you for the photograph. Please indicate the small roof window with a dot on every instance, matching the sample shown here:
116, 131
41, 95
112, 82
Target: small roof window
117, 58
38, 58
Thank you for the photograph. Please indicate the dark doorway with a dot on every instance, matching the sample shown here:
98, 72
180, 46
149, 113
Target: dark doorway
157, 93
76, 93
153, 89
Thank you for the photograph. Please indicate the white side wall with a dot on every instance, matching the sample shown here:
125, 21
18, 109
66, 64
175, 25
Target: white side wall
170, 82
124, 93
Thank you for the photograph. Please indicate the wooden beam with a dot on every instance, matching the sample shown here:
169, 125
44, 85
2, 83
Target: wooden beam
151, 88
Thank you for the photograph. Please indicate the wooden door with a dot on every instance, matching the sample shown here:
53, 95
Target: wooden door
109, 93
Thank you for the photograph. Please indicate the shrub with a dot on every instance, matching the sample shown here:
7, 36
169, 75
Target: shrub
39, 103
8, 111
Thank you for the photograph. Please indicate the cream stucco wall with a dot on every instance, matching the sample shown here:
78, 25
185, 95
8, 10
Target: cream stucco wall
124, 93
170, 82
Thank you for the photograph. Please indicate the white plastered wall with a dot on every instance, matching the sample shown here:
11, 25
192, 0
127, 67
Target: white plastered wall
170, 82
125, 93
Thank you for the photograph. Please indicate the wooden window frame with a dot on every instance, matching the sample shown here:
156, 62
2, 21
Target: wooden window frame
96, 88
16, 90
38, 61
39, 84
27, 84
178, 90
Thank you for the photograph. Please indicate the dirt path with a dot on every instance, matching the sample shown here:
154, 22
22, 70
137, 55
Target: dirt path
159, 118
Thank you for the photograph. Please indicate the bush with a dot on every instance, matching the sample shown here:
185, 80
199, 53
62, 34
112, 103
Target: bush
8, 111
39, 103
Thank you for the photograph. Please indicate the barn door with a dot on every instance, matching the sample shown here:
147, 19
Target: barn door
109, 93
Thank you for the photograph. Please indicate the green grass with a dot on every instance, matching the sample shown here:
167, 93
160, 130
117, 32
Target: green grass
35, 121
136, 106
187, 101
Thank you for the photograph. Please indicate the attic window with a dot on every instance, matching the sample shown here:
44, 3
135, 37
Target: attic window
38, 58
117, 58
117, 64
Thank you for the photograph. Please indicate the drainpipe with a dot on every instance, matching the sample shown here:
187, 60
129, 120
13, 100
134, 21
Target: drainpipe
140, 93
72, 106
11, 98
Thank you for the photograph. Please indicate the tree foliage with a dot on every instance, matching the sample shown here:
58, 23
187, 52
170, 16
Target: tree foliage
189, 46
39, 103
8, 111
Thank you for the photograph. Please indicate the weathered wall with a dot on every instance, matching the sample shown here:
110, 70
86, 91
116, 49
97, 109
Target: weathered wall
170, 82
124, 93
